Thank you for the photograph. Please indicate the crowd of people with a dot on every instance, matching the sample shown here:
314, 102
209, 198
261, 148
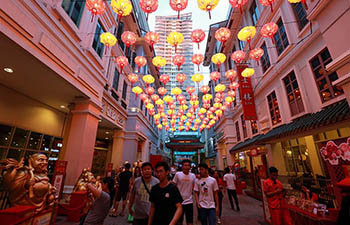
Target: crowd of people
164, 195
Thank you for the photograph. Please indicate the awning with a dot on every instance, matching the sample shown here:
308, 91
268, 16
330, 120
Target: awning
334, 113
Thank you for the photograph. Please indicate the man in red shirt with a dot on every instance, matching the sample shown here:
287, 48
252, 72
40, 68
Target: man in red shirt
274, 192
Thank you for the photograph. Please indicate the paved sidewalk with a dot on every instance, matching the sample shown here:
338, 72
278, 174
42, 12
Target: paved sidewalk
251, 213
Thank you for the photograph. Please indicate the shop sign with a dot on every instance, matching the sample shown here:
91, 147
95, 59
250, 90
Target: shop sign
58, 177
333, 152
112, 113
247, 95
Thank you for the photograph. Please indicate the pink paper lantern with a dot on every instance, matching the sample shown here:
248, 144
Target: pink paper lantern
238, 56
178, 5
129, 38
149, 6
178, 60
122, 61
197, 36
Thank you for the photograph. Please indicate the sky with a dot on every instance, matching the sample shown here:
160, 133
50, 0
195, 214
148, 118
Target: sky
200, 20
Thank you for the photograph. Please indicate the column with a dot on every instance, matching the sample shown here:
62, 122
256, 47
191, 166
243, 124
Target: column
80, 138
130, 147
117, 148
229, 156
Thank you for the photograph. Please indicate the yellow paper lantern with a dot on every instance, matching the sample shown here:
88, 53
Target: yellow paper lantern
148, 79
248, 72
121, 7
183, 107
228, 99
108, 39
202, 110
176, 91
218, 59
159, 102
246, 34
217, 105
156, 116
193, 103
171, 112
207, 5
159, 61
149, 106
159, 126
168, 99
183, 117
137, 90
189, 114
207, 97
197, 78
175, 38
220, 88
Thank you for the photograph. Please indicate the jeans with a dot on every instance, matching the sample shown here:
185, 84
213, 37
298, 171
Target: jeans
207, 216
233, 193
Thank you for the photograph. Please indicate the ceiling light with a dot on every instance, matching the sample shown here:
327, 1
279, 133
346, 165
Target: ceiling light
62, 106
106, 138
107, 132
8, 70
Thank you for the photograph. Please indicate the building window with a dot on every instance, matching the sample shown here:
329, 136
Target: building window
141, 105
96, 44
241, 45
125, 89
238, 133
265, 59
281, 40
244, 127
254, 12
300, 14
116, 80
119, 35
293, 94
273, 108
254, 126
74, 9
323, 78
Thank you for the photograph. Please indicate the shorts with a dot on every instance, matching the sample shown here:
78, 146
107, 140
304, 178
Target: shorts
121, 195
188, 211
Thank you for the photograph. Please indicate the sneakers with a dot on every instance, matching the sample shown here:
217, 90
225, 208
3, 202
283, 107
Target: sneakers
219, 221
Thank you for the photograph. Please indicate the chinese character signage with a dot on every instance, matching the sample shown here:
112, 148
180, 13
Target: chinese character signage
247, 95
58, 177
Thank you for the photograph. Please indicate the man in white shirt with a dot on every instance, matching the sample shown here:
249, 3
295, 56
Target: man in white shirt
229, 182
206, 189
185, 182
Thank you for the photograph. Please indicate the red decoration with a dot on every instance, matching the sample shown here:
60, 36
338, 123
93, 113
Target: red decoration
152, 38
267, 3
238, 4
140, 61
154, 97
149, 6
96, 7
178, 5
256, 54
215, 76
129, 38
133, 78
231, 75
190, 90
181, 77
162, 91
234, 86
231, 93
222, 35
164, 78
238, 56
269, 30
178, 60
247, 95
197, 59
122, 61
205, 89
143, 97
197, 36
149, 91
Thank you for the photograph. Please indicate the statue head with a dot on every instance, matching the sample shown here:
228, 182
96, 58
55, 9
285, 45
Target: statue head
38, 162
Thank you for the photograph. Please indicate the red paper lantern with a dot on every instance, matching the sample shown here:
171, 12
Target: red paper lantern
231, 93
122, 61
133, 78
231, 75
129, 38
178, 60
178, 5
143, 97
149, 6
162, 91
164, 78
256, 54
149, 91
269, 30
96, 7
215, 76
154, 97
152, 38
140, 61
190, 90
222, 35
238, 4
234, 85
197, 59
205, 89
238, 56
180, 98
181, 77
197, 36
267, 3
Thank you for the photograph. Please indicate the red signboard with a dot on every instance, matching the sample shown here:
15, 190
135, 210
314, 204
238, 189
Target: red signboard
58, 177
247, 95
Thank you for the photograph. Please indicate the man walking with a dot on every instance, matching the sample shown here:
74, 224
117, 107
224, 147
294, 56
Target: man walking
166, 199
229, 182
206, 189
184, 181
140, 195
124, 186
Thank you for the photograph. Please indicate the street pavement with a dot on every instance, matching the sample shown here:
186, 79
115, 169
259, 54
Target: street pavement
251, 213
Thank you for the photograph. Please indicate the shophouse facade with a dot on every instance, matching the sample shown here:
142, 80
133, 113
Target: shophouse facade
301, 90
66, 96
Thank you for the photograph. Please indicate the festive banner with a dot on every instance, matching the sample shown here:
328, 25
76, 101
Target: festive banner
246, 95
332, 152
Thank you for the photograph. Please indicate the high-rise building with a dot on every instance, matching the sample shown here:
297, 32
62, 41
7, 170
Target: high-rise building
165, 25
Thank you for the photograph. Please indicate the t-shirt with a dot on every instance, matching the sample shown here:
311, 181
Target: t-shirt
124, 179
206, 187
99, 210
165, 200
270, 186
141, 202
185, 185
230, 181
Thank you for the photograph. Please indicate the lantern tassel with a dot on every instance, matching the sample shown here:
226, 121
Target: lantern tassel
178, 14
198, 68
240, 8
147, 17
175, 48
127, 48
178, 67
273, 41
139, 69
249, 44
271, 7
209, 14
121, 70
305, 4
198, 45
257, 61
92, 18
